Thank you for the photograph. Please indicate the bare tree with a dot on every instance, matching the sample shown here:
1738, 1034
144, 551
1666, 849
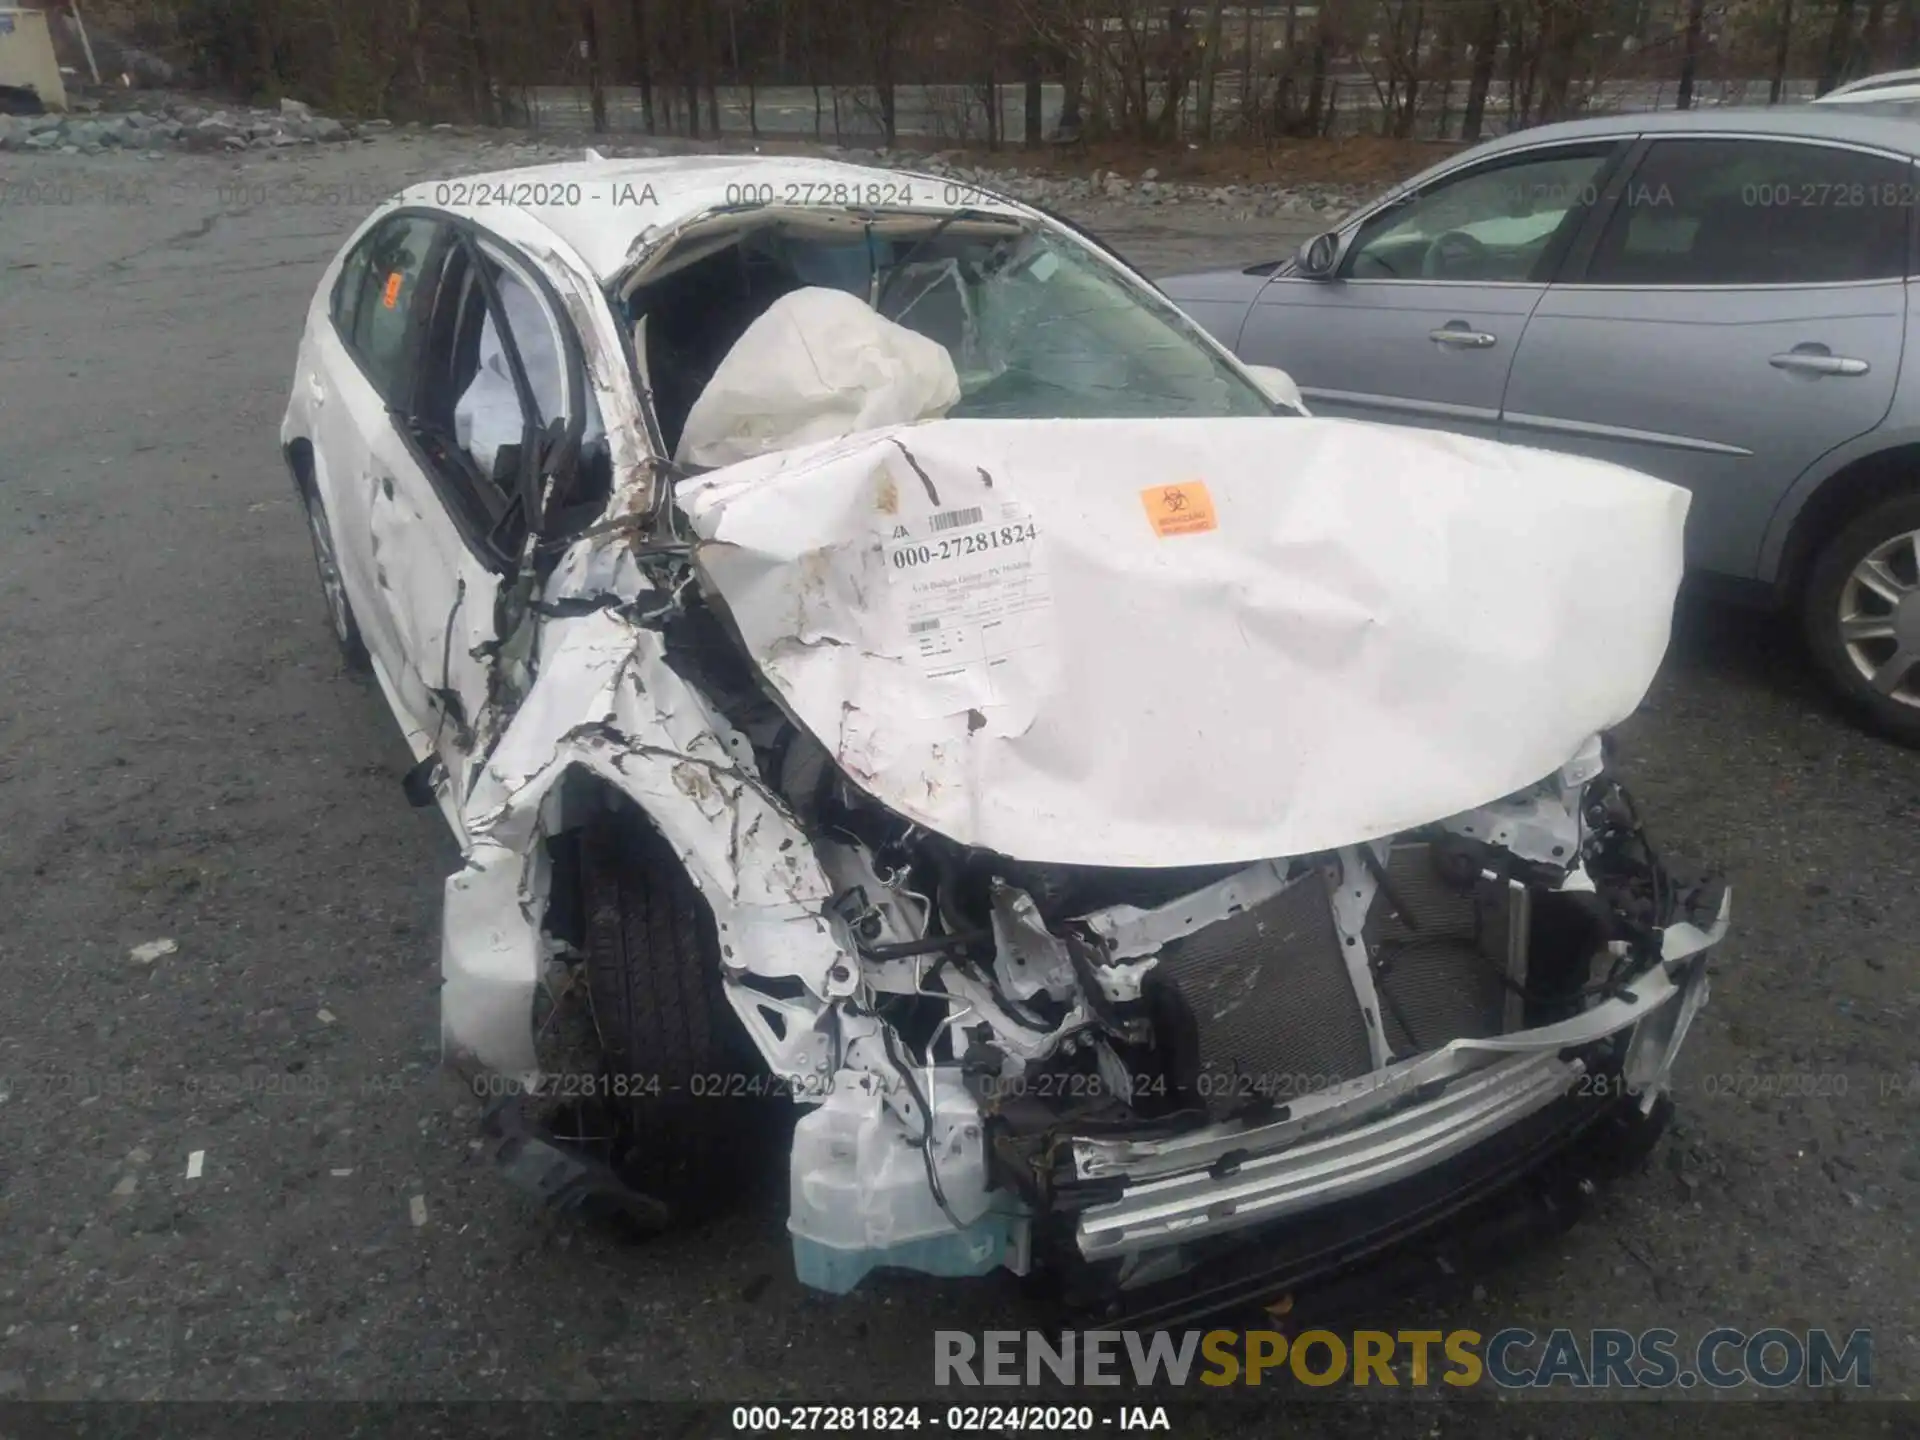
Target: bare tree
1210, 67
692, 27
987, 21
1486, 47
1149, 71
880, 22
1563, 27
1907, 45
709, 62
1690, 54
1521, 58
480, 74
1868, 51
643, 60
1318, 113
590, 44
1833, 61
1034, 88
1403, 31
1177, 67
1783, 43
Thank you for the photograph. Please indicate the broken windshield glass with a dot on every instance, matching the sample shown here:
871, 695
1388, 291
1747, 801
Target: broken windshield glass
1039, 326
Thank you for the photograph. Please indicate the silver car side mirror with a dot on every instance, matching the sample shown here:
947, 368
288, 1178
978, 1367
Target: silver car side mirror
1318, 256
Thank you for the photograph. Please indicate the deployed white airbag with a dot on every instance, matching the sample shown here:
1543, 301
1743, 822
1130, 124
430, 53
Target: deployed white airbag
1192, 641
818, 364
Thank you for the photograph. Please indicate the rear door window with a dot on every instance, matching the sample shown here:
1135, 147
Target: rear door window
1756, 212
379, 283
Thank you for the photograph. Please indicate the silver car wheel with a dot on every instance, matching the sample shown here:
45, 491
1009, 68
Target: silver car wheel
1880, 617
329, 566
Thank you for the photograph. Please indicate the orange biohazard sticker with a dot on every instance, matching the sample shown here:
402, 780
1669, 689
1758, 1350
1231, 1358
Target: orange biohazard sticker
392, 296
1182, 509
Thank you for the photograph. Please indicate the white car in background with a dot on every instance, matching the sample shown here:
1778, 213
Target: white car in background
1892, 87
871, 647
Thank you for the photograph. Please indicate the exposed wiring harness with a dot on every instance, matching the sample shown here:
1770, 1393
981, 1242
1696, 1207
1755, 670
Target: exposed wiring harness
925, 1142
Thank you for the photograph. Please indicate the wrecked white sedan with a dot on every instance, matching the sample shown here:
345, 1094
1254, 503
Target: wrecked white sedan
872, 648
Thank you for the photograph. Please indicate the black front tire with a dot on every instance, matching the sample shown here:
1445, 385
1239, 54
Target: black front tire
678, 1063
1821, 604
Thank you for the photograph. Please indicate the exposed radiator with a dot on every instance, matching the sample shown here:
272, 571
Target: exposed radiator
1271, 1001
1272, 1004
1438, 962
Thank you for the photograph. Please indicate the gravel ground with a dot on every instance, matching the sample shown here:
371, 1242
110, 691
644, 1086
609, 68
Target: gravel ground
182, 758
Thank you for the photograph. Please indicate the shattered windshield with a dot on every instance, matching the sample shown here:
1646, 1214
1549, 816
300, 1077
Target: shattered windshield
1039, 326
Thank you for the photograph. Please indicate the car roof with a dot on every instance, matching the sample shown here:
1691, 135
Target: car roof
603, 208
1885, 78
1889, 95
1799, 122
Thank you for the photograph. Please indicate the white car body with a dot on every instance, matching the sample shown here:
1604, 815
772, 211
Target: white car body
1346, 633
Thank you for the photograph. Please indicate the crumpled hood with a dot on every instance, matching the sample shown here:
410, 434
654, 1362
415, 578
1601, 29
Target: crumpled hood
1183, 642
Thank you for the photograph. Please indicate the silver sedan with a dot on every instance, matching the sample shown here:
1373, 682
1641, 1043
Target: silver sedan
1717, 298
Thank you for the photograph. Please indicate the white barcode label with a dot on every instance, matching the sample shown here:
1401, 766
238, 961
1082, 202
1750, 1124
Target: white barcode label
921, 627
954, 519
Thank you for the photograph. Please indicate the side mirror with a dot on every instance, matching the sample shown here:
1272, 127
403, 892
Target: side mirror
1318, 256
1278, 387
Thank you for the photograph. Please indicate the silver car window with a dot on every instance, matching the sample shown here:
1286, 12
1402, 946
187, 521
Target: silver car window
1491, 224
1725, 211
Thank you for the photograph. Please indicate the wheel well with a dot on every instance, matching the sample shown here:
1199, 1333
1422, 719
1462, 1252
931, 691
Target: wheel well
1843, 495
300, 462
577, 798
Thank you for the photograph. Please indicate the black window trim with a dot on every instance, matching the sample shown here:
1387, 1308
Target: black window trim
469, 498
1616, 148
345, 330
475, 520
1580, 257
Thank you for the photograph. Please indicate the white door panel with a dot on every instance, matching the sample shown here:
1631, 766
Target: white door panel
438, 599
349, 414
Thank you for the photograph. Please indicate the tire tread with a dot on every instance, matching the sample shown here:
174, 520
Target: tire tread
653, 971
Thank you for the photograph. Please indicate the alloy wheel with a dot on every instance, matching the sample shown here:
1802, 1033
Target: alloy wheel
1879, 617
329, 566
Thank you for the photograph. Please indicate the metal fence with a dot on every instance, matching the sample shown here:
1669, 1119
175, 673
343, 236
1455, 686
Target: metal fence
954, 115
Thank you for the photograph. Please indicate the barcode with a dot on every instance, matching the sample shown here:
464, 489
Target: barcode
954, 519
921, 627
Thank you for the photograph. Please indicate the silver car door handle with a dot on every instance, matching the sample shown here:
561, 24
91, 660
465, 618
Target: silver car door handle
1813, 362
1463, 338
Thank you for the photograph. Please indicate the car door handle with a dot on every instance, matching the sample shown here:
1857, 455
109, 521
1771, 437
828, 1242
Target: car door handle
316, 392
1461, 338
1809, 360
